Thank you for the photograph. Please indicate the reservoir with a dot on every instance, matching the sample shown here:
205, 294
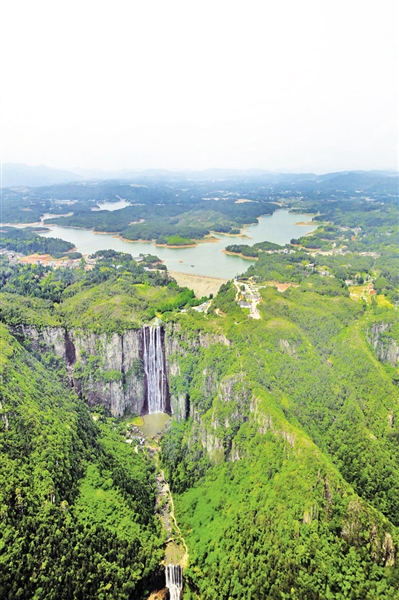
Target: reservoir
111, 205
205, 259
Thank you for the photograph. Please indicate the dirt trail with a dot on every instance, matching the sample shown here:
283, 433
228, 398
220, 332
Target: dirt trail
179, 549
176, 551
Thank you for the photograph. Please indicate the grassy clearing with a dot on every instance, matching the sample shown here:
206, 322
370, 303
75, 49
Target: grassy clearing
382, 301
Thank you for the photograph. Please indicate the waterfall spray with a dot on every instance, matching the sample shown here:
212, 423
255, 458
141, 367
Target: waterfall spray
154, 368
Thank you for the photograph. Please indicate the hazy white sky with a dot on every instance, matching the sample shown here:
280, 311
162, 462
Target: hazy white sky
280, 85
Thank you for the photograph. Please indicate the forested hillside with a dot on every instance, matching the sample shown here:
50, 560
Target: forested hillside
27, 241
282, 454
301, 459
76, 506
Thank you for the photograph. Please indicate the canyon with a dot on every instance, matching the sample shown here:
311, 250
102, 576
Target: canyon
125, 373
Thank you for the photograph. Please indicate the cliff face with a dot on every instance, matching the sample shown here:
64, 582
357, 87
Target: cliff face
118, 383
385, 345
109, 371
217, 403
230, 409
114, 378
178, 345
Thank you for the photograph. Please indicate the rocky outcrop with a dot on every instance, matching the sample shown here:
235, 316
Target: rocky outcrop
178, 344
382, 548
180, 406
230, 408
108, 370
119, 385
386, 346
45, 338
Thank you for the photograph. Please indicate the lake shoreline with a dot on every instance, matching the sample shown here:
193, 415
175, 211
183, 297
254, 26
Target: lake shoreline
205, 257
235, 235
240, 255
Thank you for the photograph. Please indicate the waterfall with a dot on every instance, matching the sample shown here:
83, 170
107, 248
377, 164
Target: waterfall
154, 369
174, 581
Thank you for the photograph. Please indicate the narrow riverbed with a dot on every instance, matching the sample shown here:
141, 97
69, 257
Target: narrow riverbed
176, 551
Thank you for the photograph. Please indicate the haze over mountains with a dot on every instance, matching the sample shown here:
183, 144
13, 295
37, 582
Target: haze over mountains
19, 174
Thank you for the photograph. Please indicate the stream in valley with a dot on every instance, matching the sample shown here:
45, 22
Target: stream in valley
176, 551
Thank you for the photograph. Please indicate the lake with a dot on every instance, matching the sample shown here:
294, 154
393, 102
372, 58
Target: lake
111, 206
205, 259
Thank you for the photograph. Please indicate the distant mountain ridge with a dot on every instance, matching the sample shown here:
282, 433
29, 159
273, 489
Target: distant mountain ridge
18, 174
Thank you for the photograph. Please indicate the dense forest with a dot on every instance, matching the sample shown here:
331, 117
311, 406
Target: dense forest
27, 241
118, 293
282, 454
77, 508
307, 424
306, 386
190, 207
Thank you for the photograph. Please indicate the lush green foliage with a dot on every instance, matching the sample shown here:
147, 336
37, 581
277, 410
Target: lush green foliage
285, 475
281, 267
76, 501
37, 281
243, 249
26, 241
117, 294
276, 524
295, 439
253, 251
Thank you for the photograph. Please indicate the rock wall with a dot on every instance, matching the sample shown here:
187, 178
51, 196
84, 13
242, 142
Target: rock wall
215, 429
179, 343
118, 384
385, 346
121, 356
118, 381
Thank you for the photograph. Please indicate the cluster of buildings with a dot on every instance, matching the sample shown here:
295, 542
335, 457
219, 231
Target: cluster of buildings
46, 261
11, 255
248, 296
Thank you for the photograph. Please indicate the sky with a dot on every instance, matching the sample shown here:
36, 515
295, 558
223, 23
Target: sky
276, 85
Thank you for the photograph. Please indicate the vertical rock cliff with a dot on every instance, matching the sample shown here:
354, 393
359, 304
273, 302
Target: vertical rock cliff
125, 373
386, 347
105, 369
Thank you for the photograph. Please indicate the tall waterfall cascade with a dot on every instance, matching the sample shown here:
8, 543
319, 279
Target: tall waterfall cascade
174, 581
154, 369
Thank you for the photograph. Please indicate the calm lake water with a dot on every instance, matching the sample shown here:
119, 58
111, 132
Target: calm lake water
205, 259
111, 205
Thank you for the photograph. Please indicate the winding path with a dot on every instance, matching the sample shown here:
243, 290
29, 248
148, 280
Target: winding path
164, 492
